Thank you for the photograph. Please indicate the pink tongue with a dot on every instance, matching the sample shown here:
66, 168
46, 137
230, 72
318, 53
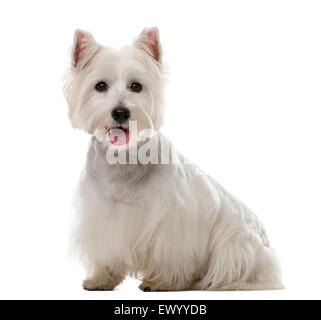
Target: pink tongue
119, 136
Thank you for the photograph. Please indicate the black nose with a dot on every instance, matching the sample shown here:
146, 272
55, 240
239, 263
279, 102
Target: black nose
120, 114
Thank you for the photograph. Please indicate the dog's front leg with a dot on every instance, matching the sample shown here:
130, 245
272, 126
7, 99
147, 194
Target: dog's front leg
159, 285
102, 279
166, 281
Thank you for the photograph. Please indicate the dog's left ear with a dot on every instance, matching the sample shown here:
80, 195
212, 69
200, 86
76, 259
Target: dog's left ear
148, 41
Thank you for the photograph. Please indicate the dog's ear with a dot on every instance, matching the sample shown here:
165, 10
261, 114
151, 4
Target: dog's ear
148, 41
84, 49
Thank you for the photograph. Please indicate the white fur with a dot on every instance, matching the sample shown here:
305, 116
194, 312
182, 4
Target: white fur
171, 225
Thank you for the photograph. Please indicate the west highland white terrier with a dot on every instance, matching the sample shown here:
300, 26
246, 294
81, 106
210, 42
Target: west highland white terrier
142, 209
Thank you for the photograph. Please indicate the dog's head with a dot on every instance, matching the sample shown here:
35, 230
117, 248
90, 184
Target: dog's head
107, 89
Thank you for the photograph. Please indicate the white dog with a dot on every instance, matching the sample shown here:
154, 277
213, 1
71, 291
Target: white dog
168, 224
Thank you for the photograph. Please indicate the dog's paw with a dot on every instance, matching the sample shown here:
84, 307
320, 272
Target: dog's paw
92, 285
148, 286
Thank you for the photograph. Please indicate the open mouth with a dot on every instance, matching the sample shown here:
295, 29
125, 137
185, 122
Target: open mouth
118, 135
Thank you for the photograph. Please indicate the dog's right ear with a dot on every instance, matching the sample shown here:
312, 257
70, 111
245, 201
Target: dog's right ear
84, 49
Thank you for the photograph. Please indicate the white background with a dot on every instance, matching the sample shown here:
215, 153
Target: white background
243, 102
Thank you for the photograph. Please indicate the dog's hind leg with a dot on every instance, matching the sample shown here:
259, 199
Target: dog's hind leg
247, 286
265, 274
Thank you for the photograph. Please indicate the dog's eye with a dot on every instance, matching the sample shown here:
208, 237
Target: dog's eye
101, 86
136, 87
